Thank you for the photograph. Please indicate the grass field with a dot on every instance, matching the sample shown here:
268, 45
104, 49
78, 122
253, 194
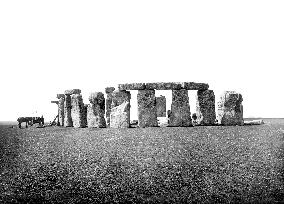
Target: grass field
197, 164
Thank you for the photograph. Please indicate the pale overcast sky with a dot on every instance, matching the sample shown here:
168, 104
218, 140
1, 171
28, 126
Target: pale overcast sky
49, 46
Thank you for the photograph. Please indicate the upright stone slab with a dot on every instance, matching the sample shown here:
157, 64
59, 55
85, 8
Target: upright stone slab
85, 110
77, 111
205, 107
147, 110
180, 110
108, 91
96, 110
161, 106
230, 109
61, 110
119, 98
67, 111
120, 116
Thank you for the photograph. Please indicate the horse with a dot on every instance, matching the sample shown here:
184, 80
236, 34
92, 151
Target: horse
27, 120
30, 121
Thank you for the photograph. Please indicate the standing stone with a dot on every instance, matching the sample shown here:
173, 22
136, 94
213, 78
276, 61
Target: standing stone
205, 107
96, 110
108, 91
230, 109
67, 111
161, 106
147, 110
77, 110
85, 110
120, 116
119, 98
61, 110
180, 110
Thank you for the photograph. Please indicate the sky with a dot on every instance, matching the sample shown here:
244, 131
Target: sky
47, 47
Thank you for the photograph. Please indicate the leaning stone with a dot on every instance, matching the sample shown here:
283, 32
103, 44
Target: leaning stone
132, 86
96, 110
205, 107
194, 86
77, 111
147, 110
120, 116
164, 86
67, 111
115, 99
72, 91
180, 110
61, 111
230, 109
109, 90
161, 106
60, 96
119, 97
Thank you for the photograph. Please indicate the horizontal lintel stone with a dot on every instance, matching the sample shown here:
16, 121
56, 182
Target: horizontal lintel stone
54, 102
132, 86
72, 91
60, 96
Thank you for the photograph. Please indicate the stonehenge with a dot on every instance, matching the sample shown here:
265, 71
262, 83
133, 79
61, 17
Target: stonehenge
112, 108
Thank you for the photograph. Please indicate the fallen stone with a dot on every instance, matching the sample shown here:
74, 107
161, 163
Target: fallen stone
180, 115
254, 122
147, 110
132, 86
67, 111
161, 106
205, 107
77, 111
230, 109
72, 91
120, 116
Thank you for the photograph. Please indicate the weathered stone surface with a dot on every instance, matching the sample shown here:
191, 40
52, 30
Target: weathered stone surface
56, 102
58, 96
180, 110
61, 111
96, 110
114, 99
254, 122
72, 91
147, 110
67, 111
205, 107
194, 86
164, 86
230, 109
118, 97
161, 106
120, 116
85, 113
109, 90
132, 86
77, 110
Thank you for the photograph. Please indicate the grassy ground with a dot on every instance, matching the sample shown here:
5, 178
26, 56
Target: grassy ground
196, 164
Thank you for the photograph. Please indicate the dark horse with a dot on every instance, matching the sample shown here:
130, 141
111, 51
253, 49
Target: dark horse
30, 121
